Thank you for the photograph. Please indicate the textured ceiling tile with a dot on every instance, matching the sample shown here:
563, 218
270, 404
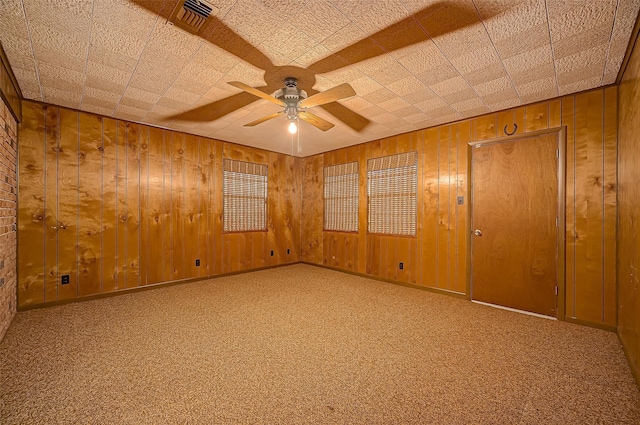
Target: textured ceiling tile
61, 97
372, 16
371, 111
180, 95
468, 104
319, 19
28, 82
537, 86
141, 95
136, 103
517, 44
91, 92
100, 103
106, 37
464, 93
542, 94
452, 85
536, 73
438, 74
347, 36
623, 26
529, 60
570, 18
506, 94
97, 109
406, 86
107, 73
474, 112
247, 74
163, 111
386, 118
215, 58
144, 82
349, 74
494, 86
476, 59
289, 42
571, 45
312, 56
111, 58
59, 77
394, 104
62, 59
249, 20
483, 75
504, 19
364, 85
432, 104
500, 105
379, 96
422, 57
419, 95
587, 62
415, 118
390, 74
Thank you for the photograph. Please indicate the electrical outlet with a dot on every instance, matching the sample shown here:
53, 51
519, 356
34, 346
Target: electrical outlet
401, 266
65, 279
288, 251
198, 262
460, 200
272, 253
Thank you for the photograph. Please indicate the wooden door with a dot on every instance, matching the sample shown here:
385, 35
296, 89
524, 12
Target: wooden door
514, 227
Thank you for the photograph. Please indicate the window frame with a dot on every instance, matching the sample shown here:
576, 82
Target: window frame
230, 162
357, 197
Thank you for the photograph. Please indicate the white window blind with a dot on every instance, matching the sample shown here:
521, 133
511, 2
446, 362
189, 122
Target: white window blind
341, 197
244, 196
392, 186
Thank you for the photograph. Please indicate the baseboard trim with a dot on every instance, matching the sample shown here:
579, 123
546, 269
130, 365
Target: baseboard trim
634, 369
395, 282
590, 324
145, 288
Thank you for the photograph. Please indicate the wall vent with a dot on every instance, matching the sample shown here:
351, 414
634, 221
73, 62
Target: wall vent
191, 15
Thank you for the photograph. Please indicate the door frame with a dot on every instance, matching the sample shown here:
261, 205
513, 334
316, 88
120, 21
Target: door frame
561, 140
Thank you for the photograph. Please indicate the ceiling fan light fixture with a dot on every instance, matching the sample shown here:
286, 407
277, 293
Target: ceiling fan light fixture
293, 128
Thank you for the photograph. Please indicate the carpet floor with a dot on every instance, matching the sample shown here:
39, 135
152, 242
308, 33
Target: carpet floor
305, 345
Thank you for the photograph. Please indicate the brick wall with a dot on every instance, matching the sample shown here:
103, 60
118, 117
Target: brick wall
8, 185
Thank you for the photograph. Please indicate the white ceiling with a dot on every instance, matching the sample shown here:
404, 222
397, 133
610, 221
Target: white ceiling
412, 63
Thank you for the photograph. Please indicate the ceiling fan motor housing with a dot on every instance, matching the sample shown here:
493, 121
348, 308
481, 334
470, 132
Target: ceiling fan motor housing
291, 95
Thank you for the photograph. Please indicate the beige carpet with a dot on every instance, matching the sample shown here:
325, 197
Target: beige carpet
302, 345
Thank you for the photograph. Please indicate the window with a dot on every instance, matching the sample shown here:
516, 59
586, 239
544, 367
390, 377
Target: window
244, 196
392, 186
341, 197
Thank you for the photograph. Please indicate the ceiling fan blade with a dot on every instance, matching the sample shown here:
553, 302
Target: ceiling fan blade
256, 92
316, 121
339, 92
263, 119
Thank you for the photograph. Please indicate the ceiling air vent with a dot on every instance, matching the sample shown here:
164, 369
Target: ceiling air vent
191, 15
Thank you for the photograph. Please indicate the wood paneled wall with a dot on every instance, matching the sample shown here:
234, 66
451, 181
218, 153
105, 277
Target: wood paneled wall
629, 212
118, 205
437, 256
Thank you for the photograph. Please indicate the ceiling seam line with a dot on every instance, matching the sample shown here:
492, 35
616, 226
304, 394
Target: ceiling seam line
498, 53
33, 52
126, 87
553, 53
86, 62
613, 27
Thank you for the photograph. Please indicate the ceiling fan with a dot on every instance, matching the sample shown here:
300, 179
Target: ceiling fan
296, 102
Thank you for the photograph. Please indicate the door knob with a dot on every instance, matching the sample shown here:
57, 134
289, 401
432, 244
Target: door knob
477, 232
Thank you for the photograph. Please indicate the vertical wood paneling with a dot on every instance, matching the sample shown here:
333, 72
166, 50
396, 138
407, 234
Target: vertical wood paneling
121, 204
143, 148
444, 209
109, 205
132, 220
178, 265
609, 184
193, 181
68, 203
31, 214
462, 232
52, 138
205, 230
155, 209
167, 206
217, 259
628, 264
313, 209
589, 206
430, 184
89, 200
568, 120
537, 116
